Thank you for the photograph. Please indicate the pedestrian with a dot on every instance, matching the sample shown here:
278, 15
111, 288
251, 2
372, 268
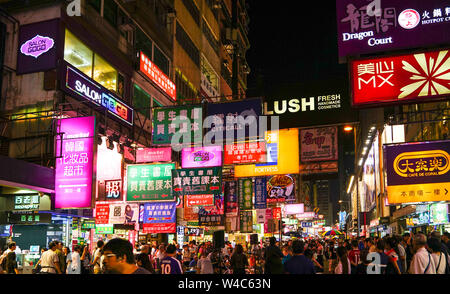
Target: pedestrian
68, 258
299, 263
332, 256
361, 268
187, 256
11, 248
391, 249
383, 258
61, 256
204, 265
272, 258
446, 239
119, 258
11, 263
401, 254
286, 254
143, 259
74, 261
407, 244
85, 260
343, 262
49, 260
309, 253
439, 257
239, 260
422, 261
169, 264
354, 255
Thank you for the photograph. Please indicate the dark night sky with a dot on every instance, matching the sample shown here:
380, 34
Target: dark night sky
291, 43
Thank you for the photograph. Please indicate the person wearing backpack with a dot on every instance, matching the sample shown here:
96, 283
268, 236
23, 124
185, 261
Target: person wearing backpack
440, 257
422, 261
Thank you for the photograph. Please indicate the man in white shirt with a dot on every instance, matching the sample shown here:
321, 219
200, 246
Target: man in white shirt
422, 262
96, 261
49, 260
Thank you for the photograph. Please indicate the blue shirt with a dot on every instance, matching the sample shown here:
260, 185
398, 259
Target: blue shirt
170, 265
286, 258
299, 265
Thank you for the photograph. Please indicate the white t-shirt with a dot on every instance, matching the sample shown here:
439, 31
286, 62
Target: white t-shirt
205, 265
48, 260
97, 265
441, 268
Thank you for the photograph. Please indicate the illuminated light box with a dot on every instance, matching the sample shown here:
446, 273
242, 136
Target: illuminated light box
153, 154
109, 162
293, 209
74, 170
157, 76
201, 156
253, 152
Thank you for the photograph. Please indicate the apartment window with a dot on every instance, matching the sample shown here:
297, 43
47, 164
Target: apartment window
143, 43
161, 61
193, 10
110, 12
91, 64
187, 44
141, 101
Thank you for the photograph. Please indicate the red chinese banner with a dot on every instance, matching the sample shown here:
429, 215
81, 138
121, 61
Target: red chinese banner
101, 214
423, 76
245, 153
159, 228
276, 212
157, 76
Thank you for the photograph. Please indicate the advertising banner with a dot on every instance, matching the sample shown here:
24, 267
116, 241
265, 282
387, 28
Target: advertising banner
231, 198
225, 119
193, 231
206, 156
418, 172
191, 213
169, 228
439, 213
260, 216
197, 181
319, 144
123, 213
38, 43
363, 27
159, 213
369, 177
153, 155
74, 169
102, 214
212, 220
246, 221
165, 124
260, 193
113, 190
104, 229
150, 182
296, 209
276, 212
417, 77
199, 200
157, 76
280, 189
254, 152
267, 224
245, 194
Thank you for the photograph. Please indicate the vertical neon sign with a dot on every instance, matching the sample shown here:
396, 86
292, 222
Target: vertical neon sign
74, 168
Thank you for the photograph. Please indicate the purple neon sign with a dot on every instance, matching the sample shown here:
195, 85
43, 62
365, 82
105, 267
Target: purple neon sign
37, 46
74, 169
201, 156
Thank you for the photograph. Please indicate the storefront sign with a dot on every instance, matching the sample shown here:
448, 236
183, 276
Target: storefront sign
423, 77
160, 213
282, 156
113, 190
193, 231
276, 211
206, 156
37, 47
399, 25
306, 215
260, 216
205, 219
153, 155
30, 218
280, 188
226, 119
26, 202
230, 189
290, 209
79, 84
191, 213
319, 144
254, 152
185, 120
73, 177
150, 182
104, 229
199, 200
169, 228
157, 76
245, 194
88, 224
268, 228
246, 221
418, 172
109, 162
197, 181
260, 193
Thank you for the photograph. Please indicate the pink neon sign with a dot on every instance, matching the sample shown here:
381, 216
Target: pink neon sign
201, 156
74, 169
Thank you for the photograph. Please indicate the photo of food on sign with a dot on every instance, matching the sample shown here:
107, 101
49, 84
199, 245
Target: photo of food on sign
280, 188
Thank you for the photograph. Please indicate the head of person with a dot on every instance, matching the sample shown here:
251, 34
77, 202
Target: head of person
12, 246
53, 245
309, 253
381, 245
239, 249
446, 237
406, 236
420, 240
363, 256
100, 244
171, 250
145, 249
66, 250
391, 243
77, 248
354, 243
272, 241
436, 235
434, 244
118, 255
285, 250
298, 247
341, 252
128, 208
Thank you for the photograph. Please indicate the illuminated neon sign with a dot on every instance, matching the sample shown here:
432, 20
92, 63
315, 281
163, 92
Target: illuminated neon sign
157, 76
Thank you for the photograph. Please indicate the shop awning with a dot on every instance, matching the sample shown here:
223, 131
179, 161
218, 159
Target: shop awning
22, 174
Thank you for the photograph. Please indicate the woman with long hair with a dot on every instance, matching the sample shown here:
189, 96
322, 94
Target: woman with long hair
343, 265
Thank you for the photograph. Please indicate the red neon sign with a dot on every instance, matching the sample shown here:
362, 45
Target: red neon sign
421, 76
157, 76
245, 153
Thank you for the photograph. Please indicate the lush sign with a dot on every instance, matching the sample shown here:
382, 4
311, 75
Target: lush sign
149, 182
418, 172
398, 79
73, 178
364, 27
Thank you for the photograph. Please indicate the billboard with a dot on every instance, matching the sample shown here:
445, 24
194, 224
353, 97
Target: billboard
319, 144
280, 189
252, 152
157, 76
206, 156
74, 168
197, 181
231, 198
418, 172
153, 154
245, 194
296, 209
260, 193
364, 27
420, 77
160, 217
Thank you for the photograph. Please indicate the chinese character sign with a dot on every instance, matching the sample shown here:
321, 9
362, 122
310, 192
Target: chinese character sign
102, 214
26, 202
260, 193
113, 190
197, 181
184, 120
201, 156
160, 212
157, 76
253, 152
398, 79
149, 182
73, 178
395, 24
199, 200
245, 194
418, 172
246, 221
280, 188
231, 198
319, 144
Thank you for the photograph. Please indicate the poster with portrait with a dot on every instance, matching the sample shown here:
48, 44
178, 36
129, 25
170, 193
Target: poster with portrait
280, 189
124, 213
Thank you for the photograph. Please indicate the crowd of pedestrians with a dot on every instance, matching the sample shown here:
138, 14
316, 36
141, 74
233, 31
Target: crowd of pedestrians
391, 255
